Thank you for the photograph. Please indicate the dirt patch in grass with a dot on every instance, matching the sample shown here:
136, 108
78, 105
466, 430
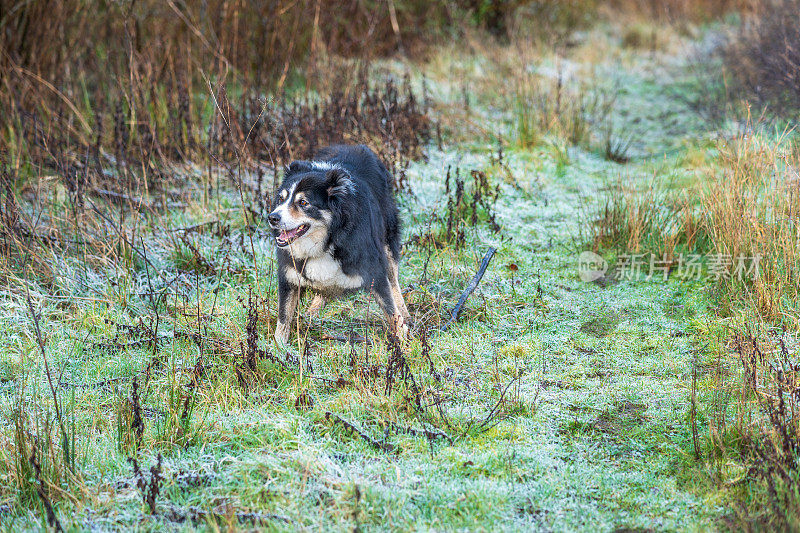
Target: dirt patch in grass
622, 416
602, 325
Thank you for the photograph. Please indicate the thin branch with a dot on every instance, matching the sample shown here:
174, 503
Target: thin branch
56, 404
383, 446
476, 279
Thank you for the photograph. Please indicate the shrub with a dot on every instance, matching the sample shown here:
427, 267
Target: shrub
770, 409
678, 10
763, 56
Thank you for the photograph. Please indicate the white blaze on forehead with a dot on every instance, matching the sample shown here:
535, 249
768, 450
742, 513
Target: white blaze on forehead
283, 208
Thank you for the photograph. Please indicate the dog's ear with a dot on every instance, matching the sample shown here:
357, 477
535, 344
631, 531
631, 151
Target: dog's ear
298, 166
339, 183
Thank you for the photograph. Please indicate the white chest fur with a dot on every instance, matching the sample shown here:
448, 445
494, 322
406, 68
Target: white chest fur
322, 273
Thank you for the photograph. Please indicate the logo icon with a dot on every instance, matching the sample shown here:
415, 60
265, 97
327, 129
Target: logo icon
591, 266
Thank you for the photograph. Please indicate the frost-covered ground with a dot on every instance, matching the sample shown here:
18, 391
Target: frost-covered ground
593, 436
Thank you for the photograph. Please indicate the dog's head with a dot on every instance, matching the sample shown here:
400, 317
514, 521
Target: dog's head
307, 206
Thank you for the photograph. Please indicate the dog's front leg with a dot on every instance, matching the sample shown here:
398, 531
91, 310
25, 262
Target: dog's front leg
382, 291
394, 283
288, 296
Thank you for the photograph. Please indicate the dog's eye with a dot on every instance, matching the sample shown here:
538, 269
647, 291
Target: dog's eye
303, 202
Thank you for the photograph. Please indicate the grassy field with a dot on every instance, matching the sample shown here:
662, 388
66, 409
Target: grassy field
140, 387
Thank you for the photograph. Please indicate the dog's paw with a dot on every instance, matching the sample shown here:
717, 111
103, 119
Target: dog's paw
404, 333
282, 332
400, 329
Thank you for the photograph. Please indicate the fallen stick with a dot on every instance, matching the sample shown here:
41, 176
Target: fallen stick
341, 338
384, 446
424, 432
476, 279
195, 227
136, 203
197, 515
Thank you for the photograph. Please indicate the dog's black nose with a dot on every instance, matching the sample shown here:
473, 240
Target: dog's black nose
274, 219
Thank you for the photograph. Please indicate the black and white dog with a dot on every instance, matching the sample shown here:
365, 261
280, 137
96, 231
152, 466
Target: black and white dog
337, 230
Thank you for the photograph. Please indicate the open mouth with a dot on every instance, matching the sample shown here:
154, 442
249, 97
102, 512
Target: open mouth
287, 237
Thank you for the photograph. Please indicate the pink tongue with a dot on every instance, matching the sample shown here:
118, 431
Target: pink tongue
286, 235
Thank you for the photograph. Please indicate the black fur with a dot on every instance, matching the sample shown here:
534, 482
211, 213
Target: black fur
374, 200
355, 196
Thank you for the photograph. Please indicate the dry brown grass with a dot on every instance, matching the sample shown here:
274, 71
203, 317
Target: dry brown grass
749, 207
677, 10
79, 66
745, 207
556, 106
646, 219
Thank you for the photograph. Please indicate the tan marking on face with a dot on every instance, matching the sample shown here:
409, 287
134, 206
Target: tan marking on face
294, 208
312, 244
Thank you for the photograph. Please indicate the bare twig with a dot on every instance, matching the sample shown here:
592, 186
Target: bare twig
127, 241
195, 514
350, 339
491, 419
476, 279
136, 203
431, 434
56, 404
52, 519
195, 227
383, 446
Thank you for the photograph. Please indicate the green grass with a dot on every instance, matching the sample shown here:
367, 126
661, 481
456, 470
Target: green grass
594, 435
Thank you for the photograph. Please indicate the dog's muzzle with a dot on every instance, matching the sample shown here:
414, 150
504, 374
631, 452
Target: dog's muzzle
288, 236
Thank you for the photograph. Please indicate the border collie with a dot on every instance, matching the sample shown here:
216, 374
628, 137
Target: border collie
337, 230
